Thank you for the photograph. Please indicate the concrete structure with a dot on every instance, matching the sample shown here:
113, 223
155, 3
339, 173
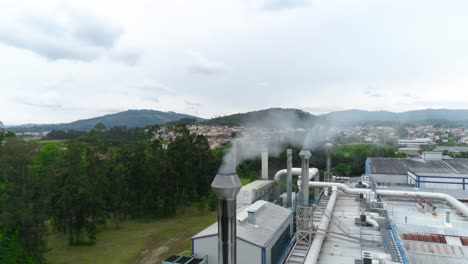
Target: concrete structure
266, 239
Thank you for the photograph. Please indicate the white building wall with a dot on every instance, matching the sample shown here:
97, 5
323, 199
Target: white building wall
385, 178
246, 253
441, 185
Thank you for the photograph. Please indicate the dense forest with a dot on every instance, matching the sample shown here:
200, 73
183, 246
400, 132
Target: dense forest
107, 175
103, 176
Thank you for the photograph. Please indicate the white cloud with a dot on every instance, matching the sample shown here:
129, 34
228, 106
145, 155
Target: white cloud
204, 66
246, 55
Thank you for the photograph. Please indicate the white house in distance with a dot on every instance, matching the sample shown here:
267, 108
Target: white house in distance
264, 234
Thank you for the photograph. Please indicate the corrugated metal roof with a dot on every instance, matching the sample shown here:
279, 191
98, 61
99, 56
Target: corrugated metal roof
435, 248
459, 194
424, 258
399, 166
268, 220
434, 238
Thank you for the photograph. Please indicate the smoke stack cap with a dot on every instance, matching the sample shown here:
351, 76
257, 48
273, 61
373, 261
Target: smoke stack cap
226, 185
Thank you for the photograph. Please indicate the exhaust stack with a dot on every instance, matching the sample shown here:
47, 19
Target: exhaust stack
289, 178
305, 156
226, 187
265, 165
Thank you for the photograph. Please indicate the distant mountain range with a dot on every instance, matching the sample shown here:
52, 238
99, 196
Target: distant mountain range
427, 116
273, 117
129, 118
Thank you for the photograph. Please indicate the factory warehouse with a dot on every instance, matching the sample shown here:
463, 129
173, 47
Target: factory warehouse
393, 213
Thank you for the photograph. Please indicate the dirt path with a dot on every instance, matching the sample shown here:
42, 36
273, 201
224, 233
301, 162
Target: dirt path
153, 255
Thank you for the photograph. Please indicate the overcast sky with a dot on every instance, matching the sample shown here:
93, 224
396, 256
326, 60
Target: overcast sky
62, 61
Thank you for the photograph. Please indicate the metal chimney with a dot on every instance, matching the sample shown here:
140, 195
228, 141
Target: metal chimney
226, 187
305, 156
265, 165
289, 178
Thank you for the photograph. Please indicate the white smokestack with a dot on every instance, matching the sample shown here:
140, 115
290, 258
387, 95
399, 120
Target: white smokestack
265, 165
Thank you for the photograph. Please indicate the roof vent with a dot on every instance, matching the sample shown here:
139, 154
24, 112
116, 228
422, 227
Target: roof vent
366, 257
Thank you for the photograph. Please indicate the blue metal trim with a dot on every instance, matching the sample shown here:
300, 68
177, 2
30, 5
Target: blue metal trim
396, 237
263, 256
460, 183
367, 167
193, 253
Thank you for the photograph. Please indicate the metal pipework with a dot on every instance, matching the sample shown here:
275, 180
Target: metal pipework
289, 178
314, 250
226, 187
461, 207
305, 156
313, 173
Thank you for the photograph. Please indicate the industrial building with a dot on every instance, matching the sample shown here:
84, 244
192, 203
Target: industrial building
432, 170
264, 231
392, 215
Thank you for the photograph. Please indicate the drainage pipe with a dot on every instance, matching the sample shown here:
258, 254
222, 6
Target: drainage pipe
461, 207
314, 250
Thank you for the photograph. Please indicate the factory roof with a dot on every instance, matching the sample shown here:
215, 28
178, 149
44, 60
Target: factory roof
401, 166
257, 185
426, 235
269, 218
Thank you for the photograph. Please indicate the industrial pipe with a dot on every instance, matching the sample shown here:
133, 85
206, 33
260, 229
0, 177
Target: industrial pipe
372, 222
314, 250
402, 194
289, 178
313, 173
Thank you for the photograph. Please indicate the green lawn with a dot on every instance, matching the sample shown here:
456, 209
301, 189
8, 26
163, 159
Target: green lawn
135, 242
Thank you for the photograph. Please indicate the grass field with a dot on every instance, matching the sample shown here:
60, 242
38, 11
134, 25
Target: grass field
135, 241
58, 142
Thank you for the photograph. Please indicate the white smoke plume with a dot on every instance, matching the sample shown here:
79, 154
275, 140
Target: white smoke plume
272, 133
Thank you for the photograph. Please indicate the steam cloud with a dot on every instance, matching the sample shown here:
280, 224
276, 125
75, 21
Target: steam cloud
273, 133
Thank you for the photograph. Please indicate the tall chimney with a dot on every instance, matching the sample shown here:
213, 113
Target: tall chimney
265, 165
226, 187
289, 178
305, 156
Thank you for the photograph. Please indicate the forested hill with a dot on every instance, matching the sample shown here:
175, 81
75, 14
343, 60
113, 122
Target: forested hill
273, 117
423, 117
130, 118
